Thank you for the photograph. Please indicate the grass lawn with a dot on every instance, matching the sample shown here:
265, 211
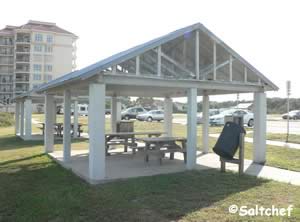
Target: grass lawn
34, 188
293, 138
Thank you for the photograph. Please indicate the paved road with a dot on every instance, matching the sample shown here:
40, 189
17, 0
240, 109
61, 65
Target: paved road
273, 126
281, 126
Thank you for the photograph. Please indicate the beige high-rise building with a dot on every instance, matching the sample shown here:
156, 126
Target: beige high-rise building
33, 54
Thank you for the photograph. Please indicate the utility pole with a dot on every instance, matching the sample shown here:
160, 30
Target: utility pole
288, 92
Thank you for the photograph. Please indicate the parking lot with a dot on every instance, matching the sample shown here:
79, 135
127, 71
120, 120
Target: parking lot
274, 124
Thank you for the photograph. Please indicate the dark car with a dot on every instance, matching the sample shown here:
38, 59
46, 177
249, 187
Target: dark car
132, 112
294, 114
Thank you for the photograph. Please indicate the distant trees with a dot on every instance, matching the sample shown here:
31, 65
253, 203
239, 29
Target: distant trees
279, 106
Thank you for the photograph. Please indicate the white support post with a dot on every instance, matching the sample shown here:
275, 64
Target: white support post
245, 74
17, 118
96, 123
115, 113
159, 61
197, 56
230, 67
205, 124
28, 118
192, 129
49, 123
184, 53
22, 119
259, 131
137, 65
75, 119
215, 61
168, 116
67, 126
55, 111
114, 69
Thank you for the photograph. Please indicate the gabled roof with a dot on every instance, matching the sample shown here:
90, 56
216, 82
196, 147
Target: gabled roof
8, 30
36, 25
44, 26
118, 58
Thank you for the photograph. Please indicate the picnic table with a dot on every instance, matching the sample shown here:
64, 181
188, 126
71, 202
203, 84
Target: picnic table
58, 127
127, 139
162, 145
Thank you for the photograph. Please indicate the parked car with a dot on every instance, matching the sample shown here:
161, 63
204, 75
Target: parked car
132, 112
294, 114
156, 115
83, 109
212, 112
219, 119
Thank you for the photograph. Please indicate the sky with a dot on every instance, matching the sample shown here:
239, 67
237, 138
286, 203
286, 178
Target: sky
266, 33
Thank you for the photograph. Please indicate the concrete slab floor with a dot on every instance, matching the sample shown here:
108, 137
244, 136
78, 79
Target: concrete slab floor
122, 165
127, 165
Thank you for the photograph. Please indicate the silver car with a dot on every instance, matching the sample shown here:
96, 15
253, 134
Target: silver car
212, 112
156, 115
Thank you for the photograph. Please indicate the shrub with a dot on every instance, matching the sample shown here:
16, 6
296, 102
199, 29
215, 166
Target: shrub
6, 119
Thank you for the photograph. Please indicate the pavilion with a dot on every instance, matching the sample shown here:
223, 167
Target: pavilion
189, 62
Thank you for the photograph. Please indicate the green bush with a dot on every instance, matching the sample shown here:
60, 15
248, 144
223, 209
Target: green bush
6, 119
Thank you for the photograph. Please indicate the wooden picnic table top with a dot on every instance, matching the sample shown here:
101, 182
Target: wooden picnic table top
162, 139
135, 133
61, 124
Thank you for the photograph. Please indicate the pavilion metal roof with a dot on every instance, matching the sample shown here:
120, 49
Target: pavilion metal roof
118, 58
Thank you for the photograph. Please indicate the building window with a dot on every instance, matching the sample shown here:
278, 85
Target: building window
48, 77
37, 58
48, 48
48, 68
37, 77
49, 38
37, 68
38, 48
38, 37
48, 58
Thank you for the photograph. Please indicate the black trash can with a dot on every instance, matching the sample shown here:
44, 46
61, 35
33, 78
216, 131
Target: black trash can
229, 140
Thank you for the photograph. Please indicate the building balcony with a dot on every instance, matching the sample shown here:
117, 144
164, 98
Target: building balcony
22, 49
22, 81
23, 41
22, 78
6, 71
22, 70
6, 61
23, 52
5, 44
22, 60
6, 64
4, 54
22, 87
6, 90
6, 83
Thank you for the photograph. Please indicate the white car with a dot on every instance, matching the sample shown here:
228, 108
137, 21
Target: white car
156, 115
220, 118
212, 112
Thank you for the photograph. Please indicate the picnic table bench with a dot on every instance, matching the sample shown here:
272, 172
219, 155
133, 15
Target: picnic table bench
159, 146
58, 127
127, 139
